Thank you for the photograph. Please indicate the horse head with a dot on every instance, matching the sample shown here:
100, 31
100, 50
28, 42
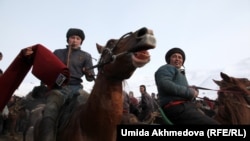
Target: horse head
130, 50
233, 83
233, 100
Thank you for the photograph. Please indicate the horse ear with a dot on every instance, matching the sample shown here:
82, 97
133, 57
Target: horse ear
99, 48
217, 82
225, 77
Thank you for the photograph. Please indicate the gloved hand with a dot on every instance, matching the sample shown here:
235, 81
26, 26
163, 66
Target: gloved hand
88, 75
195, 91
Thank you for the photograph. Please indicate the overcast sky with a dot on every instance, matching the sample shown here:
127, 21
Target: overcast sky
213, 33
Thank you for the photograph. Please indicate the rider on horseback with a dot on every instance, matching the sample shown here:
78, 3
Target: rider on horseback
77, 61
176, 97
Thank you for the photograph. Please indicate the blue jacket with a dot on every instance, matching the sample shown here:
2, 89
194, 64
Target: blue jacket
172, 85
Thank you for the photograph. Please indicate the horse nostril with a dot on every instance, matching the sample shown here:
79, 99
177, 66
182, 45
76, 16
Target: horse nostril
142, 32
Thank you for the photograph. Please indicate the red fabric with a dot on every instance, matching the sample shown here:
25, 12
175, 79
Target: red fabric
174, 103
134, 101
46, 67
209, 103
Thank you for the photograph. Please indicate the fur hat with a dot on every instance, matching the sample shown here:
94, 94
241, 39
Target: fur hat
172, 51
75, 31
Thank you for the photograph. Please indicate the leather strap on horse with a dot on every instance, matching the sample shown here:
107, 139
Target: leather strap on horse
46, 67
112, 56
202, 88
165, 118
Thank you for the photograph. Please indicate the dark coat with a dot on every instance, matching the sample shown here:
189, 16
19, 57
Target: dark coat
172, 85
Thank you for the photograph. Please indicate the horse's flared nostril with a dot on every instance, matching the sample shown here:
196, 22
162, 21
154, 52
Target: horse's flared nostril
142, 32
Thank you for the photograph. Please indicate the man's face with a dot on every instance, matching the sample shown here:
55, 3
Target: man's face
176, 60
142, 89
74, 41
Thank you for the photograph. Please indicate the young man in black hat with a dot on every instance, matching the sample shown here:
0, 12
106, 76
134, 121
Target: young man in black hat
146, 105
176, 97
78, 62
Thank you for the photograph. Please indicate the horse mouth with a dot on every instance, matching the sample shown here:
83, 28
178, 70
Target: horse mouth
140, 58
141, 55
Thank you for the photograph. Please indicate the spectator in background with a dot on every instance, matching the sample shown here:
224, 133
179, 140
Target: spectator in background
146, 105
133, 106
155, 100
127, 117
126, 102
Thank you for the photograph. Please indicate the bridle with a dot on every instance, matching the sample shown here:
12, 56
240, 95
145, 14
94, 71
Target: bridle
222, 90
225, 90
111, 56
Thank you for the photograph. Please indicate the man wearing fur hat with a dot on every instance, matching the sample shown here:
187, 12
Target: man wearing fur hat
176, 97
78, 62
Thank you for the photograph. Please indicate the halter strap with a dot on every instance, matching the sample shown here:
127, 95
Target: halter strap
113, 57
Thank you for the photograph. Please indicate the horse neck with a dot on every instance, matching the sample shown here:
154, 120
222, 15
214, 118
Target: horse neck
235, 104
104, 91
104, 84
104, 104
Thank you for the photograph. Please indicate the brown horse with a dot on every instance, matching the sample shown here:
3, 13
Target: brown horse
233, 100
97, 119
